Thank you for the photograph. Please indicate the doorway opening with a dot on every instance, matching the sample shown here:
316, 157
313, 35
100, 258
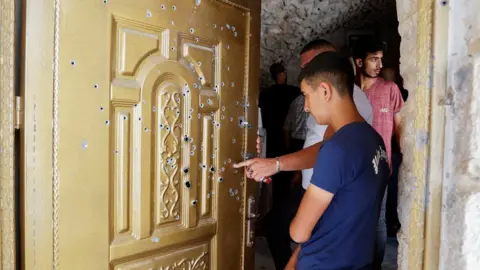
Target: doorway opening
288, 26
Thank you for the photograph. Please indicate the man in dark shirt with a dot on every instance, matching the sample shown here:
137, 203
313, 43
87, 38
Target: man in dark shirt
337, 218
275, 103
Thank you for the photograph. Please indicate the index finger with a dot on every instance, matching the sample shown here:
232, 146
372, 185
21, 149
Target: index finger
243, 163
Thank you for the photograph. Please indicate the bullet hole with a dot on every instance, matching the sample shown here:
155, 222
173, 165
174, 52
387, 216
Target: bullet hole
195, 85
174, 7
196, 39
214, 26
194, 202
191, 110
232, 84
140, 119
234, 141
223, 84
199, 63
220, 179
84, 144
228, 46
228, 68
107, 122
192, 153
154, 109
199, 115
228, 26
233, 28
149, 14
235, 34
135, 105
443, 2
105, 1
173, 49
194, 147
101, 108
185, 170
201, 105
198, 2
192, 30
222, 117
95, 86
188, 184
73, 63
212, 169
229, 160
185, 138
163, 7
238, 198
145, 129
231, 119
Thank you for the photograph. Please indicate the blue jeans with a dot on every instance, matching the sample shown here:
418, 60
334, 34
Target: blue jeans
381, 240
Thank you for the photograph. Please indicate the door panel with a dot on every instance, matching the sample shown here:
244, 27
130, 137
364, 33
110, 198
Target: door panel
149, 100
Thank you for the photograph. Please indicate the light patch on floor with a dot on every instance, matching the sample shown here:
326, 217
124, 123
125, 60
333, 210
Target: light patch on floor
263, 258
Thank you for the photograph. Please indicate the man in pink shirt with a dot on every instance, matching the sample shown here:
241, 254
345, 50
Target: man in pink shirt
386, 100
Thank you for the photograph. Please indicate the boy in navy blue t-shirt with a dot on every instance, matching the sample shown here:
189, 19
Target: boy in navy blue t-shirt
337, 218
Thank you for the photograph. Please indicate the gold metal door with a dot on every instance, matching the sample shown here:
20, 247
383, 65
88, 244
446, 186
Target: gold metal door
150, 105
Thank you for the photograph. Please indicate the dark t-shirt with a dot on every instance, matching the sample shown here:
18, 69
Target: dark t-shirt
353, 166
275, 103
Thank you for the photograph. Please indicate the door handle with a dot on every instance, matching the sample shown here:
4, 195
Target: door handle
251, 219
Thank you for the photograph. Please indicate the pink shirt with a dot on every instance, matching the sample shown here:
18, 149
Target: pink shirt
386, 101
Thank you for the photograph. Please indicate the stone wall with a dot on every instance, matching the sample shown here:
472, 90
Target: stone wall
407, 18
288, 25
460, 226
460, 245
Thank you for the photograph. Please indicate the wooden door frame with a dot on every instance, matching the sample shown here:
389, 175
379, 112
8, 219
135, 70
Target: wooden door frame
7, 143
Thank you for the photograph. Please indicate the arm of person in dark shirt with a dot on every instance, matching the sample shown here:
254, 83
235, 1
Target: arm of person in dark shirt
292, 263
327, 179
313, 205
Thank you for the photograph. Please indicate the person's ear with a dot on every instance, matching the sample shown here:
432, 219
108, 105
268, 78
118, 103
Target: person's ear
359, 62
326, 91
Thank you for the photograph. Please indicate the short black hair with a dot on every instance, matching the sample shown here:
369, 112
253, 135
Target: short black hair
331, 67
364, 46
317, 44
275, 69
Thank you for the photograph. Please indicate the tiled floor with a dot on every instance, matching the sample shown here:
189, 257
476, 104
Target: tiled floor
263, 260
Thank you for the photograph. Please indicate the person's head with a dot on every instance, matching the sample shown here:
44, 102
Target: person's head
313, 48
277, 71
368, 56
326, 82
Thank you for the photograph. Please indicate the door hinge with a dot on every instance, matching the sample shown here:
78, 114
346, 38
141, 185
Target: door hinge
18, 112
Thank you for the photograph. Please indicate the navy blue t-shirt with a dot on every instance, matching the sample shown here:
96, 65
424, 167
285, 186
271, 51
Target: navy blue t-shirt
353, 166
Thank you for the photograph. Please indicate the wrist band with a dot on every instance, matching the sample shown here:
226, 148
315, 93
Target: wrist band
278, 164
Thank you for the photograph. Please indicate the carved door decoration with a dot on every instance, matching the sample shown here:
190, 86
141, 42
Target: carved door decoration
149, 101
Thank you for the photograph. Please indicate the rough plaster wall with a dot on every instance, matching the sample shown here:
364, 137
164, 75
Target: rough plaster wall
287, 25
407, 18
460, 228
460, 245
